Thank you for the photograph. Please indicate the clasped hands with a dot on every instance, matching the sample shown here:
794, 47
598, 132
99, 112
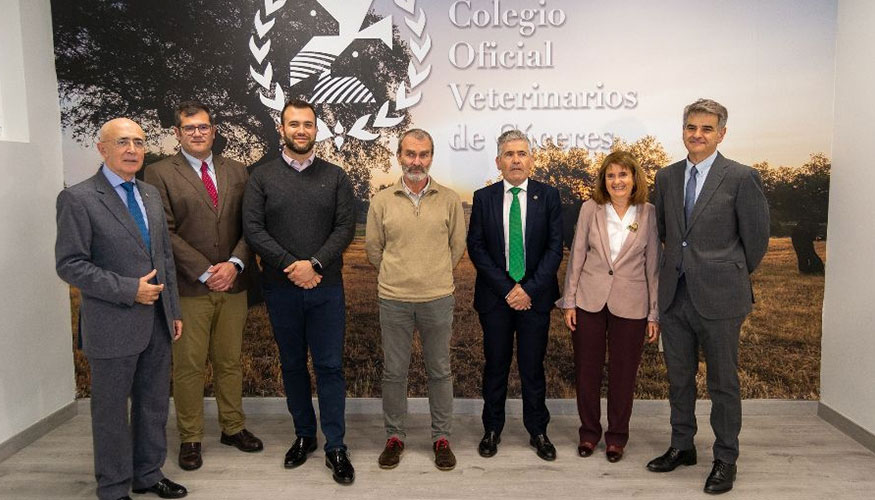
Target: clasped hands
224, 274
518, 299
302, 274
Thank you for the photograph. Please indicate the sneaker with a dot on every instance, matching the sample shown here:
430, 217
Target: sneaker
391, 454
443, 455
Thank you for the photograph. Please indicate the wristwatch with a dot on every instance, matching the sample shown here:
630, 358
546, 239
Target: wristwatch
316, 265
238, 267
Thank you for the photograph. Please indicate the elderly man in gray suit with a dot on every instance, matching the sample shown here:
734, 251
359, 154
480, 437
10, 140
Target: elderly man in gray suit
114, 246
713, 219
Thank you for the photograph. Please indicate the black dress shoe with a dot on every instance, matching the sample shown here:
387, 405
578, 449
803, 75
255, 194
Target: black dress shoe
721, 478
297, 454
489, 444
614, 453
585, 449
190, 456
671, 459
243, 440
338, 461
165, 488
125, 498
543, 446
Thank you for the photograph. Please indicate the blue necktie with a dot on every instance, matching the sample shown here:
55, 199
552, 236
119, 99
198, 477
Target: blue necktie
136, 213
690, 195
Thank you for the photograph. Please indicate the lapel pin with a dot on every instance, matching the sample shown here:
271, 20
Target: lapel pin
535, 197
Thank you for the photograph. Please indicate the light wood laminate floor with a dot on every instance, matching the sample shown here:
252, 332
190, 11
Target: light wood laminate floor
786, 452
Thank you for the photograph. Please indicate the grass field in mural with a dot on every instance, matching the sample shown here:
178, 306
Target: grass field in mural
779, 353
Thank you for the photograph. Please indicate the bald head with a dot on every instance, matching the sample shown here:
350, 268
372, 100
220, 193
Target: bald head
122, 144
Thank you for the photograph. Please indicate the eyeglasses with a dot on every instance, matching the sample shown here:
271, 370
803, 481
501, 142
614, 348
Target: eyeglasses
203, 128
125, 141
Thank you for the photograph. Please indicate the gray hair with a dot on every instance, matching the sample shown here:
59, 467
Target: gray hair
512, 135
708, 106
418, 134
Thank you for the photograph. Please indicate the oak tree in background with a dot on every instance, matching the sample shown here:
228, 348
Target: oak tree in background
139, 59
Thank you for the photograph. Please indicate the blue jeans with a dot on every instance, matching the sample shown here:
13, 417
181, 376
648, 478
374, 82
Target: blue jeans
314, 319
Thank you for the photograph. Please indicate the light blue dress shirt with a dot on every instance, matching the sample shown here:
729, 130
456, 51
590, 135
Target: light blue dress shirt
116, 182
703, 167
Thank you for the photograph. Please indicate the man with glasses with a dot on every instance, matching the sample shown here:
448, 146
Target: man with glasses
203, 195
113, 245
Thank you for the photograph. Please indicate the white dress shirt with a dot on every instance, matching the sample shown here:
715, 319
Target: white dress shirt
618, 229
508, 199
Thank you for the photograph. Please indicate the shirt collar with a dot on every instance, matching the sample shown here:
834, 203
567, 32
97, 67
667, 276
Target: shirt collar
411, 193
196, 163
524, 186
703, 166
295, 164
114, 179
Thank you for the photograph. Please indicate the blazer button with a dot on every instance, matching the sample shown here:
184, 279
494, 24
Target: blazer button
611, 272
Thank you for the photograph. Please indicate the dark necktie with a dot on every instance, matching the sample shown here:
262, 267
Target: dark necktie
208, 183
136, 213
690, 195
517, 258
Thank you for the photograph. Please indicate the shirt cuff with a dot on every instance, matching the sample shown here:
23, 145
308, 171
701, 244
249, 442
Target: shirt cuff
204, 277
235, 260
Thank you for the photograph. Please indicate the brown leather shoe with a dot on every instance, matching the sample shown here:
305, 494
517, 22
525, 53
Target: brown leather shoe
391, 455
614, 453
190, 456
443, 455
243, 440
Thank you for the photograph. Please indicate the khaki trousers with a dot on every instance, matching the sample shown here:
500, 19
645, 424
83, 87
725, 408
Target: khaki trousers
212, 327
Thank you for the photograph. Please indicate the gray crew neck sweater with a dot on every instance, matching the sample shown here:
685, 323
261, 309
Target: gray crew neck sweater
290, 215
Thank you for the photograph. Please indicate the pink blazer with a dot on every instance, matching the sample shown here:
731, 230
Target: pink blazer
627, 285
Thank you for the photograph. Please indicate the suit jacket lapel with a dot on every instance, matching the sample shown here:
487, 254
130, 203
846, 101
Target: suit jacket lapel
630, 238
533, 202
184, 169
111, 200
222, 176
676, 192
155, 214
498, 217
715, 177
601, 221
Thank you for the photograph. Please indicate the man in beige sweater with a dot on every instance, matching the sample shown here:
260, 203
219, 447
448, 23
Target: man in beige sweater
415, 237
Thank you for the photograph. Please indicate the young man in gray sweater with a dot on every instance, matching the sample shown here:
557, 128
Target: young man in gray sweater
298, 215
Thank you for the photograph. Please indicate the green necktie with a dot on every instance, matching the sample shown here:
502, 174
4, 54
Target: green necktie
517, 253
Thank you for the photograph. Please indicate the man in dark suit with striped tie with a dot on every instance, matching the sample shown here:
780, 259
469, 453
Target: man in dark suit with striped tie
515, 243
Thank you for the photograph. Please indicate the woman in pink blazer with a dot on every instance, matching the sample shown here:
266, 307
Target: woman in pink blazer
609, 298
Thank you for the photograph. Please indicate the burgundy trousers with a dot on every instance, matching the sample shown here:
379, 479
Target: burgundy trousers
596, 335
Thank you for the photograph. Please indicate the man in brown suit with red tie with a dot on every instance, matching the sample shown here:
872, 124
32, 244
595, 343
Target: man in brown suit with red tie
202, 195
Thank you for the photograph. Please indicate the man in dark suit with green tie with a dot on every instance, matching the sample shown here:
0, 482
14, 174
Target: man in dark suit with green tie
515, 243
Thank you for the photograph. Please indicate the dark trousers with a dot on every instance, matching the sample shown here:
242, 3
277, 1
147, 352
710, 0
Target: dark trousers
684, 330
531, 329
622, 340
312, 319
129, 453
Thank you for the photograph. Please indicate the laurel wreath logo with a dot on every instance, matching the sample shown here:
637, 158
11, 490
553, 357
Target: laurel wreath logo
416, 74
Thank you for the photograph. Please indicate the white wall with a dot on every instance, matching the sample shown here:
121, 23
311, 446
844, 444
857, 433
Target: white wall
36, 362
848, 359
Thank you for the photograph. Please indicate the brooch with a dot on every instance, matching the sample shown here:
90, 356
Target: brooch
632, 227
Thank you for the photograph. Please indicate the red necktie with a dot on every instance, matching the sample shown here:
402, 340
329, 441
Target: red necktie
208, 183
